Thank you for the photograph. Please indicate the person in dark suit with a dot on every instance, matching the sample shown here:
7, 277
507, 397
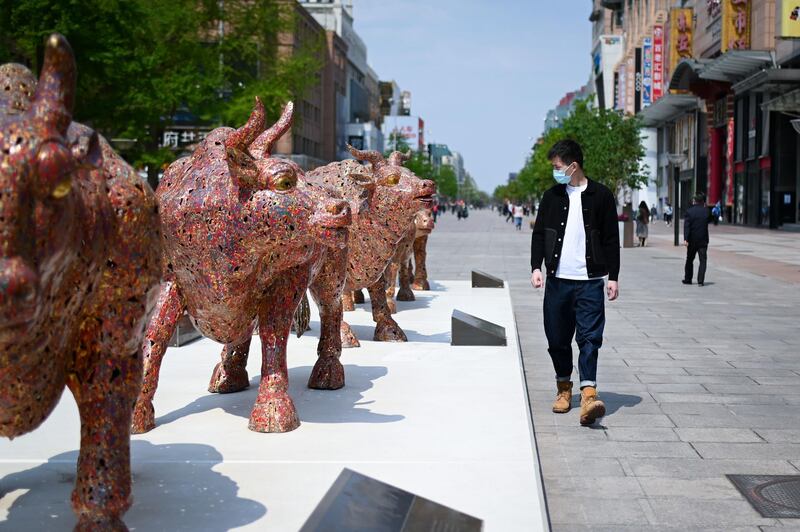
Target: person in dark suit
695, 238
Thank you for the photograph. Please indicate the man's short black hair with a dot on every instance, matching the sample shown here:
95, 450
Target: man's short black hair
700, 198
568, 151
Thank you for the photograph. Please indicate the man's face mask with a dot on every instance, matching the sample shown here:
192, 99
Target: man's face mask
561, 176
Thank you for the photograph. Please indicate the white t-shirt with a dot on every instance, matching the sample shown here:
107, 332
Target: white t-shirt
573, 253
518, 211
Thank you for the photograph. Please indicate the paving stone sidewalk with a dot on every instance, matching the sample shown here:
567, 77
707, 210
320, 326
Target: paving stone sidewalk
699, 382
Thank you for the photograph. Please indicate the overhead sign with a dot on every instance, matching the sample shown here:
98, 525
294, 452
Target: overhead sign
647, 71
681, 36
736, 25
790, 19
658, 62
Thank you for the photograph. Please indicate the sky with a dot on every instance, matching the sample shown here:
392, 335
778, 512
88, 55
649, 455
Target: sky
482, 73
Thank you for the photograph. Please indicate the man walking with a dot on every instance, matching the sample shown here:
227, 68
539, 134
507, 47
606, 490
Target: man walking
695, 238
576, 234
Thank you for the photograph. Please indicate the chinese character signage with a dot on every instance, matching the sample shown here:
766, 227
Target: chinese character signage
790, 19
647, 71
177, 137
681, 36
622, 100
736, 25
658, 62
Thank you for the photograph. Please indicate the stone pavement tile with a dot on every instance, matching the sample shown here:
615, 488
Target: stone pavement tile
677, 388
579, 511
780, 435
699, 468
726, 420
624, 449
698, 488
696, 379
744, 451
658, 370
625, 419
571, 435
671, 363
753, 389
593, 487
576, 465
717, 435
700, 409
764, 410
785, 380
750, 372
719, 399
664, 528
641, 434
702, 513
767, 422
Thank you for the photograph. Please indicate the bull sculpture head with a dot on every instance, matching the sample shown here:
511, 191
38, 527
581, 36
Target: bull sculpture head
38, 170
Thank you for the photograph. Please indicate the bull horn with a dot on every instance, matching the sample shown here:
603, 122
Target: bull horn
397, 158
242, 137
54, 98
372, 156
262, 146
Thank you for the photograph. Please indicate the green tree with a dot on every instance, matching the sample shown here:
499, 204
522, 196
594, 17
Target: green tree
140, 61
612, 148
446, 181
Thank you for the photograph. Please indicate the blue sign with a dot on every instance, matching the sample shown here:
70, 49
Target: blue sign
647, 71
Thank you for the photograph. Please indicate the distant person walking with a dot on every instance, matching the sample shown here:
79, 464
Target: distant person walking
518, 213
668, 214
576, 234
642, 220
509, 211
695, 238
653, 213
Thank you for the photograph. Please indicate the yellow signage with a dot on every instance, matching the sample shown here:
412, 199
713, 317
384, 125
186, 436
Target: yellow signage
681, 23
790, 18
736, 25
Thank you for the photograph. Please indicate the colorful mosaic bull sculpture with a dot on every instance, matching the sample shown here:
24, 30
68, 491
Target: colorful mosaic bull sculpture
243, 238
78, 276
401, 263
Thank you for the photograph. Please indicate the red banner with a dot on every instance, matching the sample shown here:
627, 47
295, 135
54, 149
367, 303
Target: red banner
658, 62
730, 192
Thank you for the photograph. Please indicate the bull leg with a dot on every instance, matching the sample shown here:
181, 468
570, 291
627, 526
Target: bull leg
347, 301
230, 374
405, 293
386, 329
420, 272
391, 278
169, 309
328, 373
274, 410
358, 297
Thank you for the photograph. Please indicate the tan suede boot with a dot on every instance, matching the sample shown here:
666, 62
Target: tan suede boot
564, 398
591, 407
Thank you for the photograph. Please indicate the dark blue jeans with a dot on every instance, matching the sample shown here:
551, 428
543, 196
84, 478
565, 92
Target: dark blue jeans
574, 308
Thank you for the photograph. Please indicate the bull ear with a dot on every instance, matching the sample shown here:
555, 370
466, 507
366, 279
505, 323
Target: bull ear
242, 167
85, 145
54, 99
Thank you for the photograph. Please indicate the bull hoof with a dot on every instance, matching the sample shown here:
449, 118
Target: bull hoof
348, 337
392, 306
389, 331
98, 523
328, 374
405, 294
234, 380
358, 297
144, 417
275, 414
421, 285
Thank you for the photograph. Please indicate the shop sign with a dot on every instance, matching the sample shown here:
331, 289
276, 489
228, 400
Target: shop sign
622, 101
736, 25
658, 62
729, 166
177, 137
790, 19
647, 71
681, 36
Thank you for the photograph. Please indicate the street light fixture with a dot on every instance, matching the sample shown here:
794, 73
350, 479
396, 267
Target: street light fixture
676, 160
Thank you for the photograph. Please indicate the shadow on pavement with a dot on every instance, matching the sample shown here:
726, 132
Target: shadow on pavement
326, 406
366, 332
616, 401
174, 488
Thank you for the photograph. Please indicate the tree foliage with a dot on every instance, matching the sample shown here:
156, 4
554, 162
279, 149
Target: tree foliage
141, 61
612, 149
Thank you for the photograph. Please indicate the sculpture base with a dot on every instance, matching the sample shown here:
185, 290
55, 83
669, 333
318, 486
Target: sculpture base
449, 424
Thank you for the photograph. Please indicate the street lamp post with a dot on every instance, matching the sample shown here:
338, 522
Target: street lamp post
676, 160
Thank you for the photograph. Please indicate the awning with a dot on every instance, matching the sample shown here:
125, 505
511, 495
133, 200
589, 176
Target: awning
786, 103
773, 79
735, 65
668, 108
687, 72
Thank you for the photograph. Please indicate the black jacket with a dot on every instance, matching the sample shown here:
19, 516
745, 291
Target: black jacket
695, 225
600, 223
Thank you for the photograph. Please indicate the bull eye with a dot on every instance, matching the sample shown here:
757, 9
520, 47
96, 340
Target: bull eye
284, 181
54, 167
392, 180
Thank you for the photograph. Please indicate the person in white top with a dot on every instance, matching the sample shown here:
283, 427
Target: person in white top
576, 234
518, 213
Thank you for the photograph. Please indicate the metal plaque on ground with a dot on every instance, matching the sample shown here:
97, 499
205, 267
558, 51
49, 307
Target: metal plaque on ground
776, 496
485, 280
356, 503
467, 329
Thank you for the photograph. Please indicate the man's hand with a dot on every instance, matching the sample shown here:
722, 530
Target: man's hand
613, 290
686, 243
537, 281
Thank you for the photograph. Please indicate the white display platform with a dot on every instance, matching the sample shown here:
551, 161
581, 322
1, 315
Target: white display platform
450, 424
